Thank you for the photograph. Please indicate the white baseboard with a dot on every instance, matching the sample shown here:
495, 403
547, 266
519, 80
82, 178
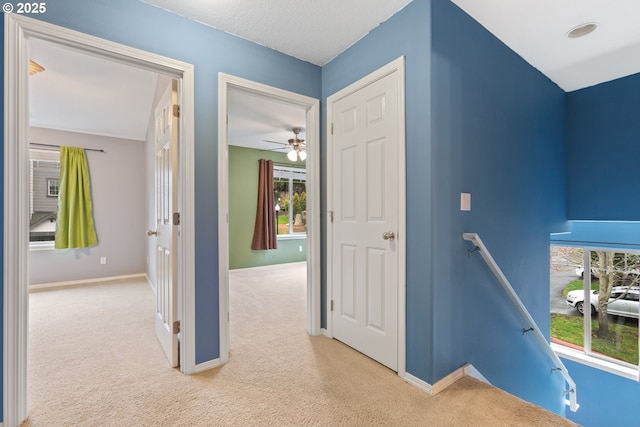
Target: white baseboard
471, 371
200, 367
466, 370
417, 382
323, 331
54, 285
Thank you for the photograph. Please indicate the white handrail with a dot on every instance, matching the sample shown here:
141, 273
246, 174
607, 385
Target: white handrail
533, 327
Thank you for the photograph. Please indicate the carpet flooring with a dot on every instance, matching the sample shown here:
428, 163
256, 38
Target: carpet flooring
94, 361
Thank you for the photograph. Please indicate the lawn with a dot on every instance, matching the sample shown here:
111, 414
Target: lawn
578, 284
622, 344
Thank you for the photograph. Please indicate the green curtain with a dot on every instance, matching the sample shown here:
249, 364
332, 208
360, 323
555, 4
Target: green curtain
74, 220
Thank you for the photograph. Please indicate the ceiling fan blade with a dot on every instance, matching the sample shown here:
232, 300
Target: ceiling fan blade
274, 142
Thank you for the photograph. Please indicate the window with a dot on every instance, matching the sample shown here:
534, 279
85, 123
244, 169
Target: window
290, 200
594, 305
43, 194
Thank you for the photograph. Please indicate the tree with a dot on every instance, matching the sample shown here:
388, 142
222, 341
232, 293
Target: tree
613, 269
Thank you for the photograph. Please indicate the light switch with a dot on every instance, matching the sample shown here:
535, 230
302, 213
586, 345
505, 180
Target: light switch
465, 201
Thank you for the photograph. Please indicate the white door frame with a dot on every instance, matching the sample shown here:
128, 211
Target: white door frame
18, 31
396, 66
312, 107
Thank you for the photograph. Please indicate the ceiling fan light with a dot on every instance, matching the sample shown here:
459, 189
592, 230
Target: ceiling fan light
292, 155
303, 155
34, 67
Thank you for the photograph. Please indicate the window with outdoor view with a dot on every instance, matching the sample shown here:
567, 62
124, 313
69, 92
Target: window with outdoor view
43, 195
594, 302
290, 200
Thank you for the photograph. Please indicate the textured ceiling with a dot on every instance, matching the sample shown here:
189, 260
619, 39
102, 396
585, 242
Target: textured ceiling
315, 31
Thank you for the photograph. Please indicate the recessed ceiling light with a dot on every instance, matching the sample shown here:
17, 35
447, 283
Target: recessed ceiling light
582, 30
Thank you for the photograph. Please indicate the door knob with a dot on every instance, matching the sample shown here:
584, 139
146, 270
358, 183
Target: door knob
388, 235
152, 233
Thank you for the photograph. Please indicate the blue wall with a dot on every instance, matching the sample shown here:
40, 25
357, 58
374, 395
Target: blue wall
498, 133
478, 119
407, 33
602, 141
603, 127
139, 25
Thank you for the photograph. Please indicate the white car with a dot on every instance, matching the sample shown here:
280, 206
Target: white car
619, 305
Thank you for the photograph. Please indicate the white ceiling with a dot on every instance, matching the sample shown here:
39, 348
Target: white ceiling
83, 93
315, 31
536, 30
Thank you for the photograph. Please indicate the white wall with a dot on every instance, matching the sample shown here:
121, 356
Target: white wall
150, 156
118, 194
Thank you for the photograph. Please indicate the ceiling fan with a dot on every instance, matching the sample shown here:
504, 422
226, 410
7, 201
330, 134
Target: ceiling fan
295, 144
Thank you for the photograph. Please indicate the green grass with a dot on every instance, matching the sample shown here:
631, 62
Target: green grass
622, 344
578, 284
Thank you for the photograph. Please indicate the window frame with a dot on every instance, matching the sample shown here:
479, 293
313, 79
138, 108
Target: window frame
586, 356
290, 173
41, 155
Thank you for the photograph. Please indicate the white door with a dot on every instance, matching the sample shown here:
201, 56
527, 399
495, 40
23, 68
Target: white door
365, 219
167, 326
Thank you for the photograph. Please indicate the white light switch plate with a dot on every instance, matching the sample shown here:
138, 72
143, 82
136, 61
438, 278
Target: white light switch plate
465, 201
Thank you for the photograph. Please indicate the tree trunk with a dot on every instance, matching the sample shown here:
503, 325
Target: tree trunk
605, 259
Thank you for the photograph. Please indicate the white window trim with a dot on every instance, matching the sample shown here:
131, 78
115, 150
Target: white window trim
602, 363
290, 173
596, 362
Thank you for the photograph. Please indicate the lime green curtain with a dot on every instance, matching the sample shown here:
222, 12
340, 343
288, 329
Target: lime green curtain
74, 221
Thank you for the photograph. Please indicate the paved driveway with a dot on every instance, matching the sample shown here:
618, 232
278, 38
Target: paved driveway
559, 280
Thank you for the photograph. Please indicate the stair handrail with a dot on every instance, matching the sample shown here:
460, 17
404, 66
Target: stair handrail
532, 327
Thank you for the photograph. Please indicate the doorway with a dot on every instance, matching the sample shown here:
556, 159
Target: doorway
367, 202
19, 31
311, 106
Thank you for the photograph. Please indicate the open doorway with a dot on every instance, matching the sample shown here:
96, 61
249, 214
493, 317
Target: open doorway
234, 91
21, 31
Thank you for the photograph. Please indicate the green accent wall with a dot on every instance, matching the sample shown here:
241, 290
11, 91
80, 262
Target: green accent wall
243, 196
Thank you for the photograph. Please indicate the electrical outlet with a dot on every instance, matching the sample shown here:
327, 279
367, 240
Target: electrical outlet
103, 260
299, 248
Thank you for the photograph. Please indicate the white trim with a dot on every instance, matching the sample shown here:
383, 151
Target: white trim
417, 382
595, 362
18, 30
471, 371
312, 106
467, 370
201, 367
396, 66
73, 283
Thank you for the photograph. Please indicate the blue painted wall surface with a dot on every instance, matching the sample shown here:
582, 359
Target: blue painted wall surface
603, 126
407, 33
497, 133
599, 397
142, 26
602, 141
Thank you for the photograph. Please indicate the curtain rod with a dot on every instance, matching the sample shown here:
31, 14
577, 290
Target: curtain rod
57, 146
291, 165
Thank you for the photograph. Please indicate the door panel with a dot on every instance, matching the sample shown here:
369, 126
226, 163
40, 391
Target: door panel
166, 231
365, 200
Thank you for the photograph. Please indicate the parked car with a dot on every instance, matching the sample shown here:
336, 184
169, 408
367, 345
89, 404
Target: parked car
619, 305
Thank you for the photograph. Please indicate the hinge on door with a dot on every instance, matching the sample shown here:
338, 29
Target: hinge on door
331, 128
176, 327
331, 305
330, 216
176, 218
176, 110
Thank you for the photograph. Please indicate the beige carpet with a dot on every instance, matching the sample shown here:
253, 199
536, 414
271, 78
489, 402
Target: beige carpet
95, 361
